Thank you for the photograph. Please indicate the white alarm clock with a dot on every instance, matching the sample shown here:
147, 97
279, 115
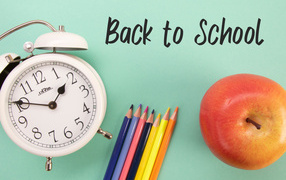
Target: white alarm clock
52, 104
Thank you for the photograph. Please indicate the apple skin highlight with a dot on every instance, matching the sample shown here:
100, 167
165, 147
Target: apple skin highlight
224, 110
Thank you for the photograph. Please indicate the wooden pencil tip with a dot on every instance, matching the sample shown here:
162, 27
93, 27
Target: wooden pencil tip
153, 111
151, 118
146, 110
138, 111
157, 120
144, 115
174, 115
159, 116
167, 114
129, 112
177, 108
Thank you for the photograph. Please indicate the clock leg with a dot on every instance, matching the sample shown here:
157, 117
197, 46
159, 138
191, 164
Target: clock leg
49, 164
104, 133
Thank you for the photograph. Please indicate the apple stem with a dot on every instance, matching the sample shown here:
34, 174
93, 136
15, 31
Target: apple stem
258, 126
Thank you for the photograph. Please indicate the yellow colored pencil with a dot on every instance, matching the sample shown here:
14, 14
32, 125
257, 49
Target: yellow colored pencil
156, 146
164, 145
148, 148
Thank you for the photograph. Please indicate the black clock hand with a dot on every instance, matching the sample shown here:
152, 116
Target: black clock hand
61, 90
51, 105
20, 102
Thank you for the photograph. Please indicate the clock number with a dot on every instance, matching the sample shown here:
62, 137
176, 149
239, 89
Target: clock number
72, 77
39, 74
23, 120
37, 133
53, 134
26, 87
22, 106
77, 122
68, 134
55, 73
83, 88
85, 108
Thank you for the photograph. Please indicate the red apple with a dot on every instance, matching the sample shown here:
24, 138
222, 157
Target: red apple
243, 120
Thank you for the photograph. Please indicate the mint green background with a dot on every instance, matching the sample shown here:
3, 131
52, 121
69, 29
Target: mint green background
152, 75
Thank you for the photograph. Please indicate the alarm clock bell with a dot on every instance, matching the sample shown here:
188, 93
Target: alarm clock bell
61, 41
57, 40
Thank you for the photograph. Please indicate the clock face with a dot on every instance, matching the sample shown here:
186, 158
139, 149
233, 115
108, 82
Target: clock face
52, 106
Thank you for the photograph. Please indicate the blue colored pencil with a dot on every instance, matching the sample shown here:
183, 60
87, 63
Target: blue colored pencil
140, 148
118, 145
126, 145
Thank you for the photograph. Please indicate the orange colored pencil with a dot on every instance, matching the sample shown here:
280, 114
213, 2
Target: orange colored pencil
164, 145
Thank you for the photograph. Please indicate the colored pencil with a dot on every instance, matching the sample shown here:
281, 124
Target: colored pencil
156, 146
126, 144
140, 148
133, 145
148, 148
118, 145
164, 145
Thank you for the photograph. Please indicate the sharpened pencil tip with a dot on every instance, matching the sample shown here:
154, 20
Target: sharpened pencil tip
129, 112
174, 115
167, 114
157, 120
146, 110
138, 111
151, 117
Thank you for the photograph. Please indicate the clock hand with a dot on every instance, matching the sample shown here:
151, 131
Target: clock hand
20, 102
61, 90
51, 105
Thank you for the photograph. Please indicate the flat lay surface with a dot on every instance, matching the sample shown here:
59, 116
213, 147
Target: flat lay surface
159, 54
